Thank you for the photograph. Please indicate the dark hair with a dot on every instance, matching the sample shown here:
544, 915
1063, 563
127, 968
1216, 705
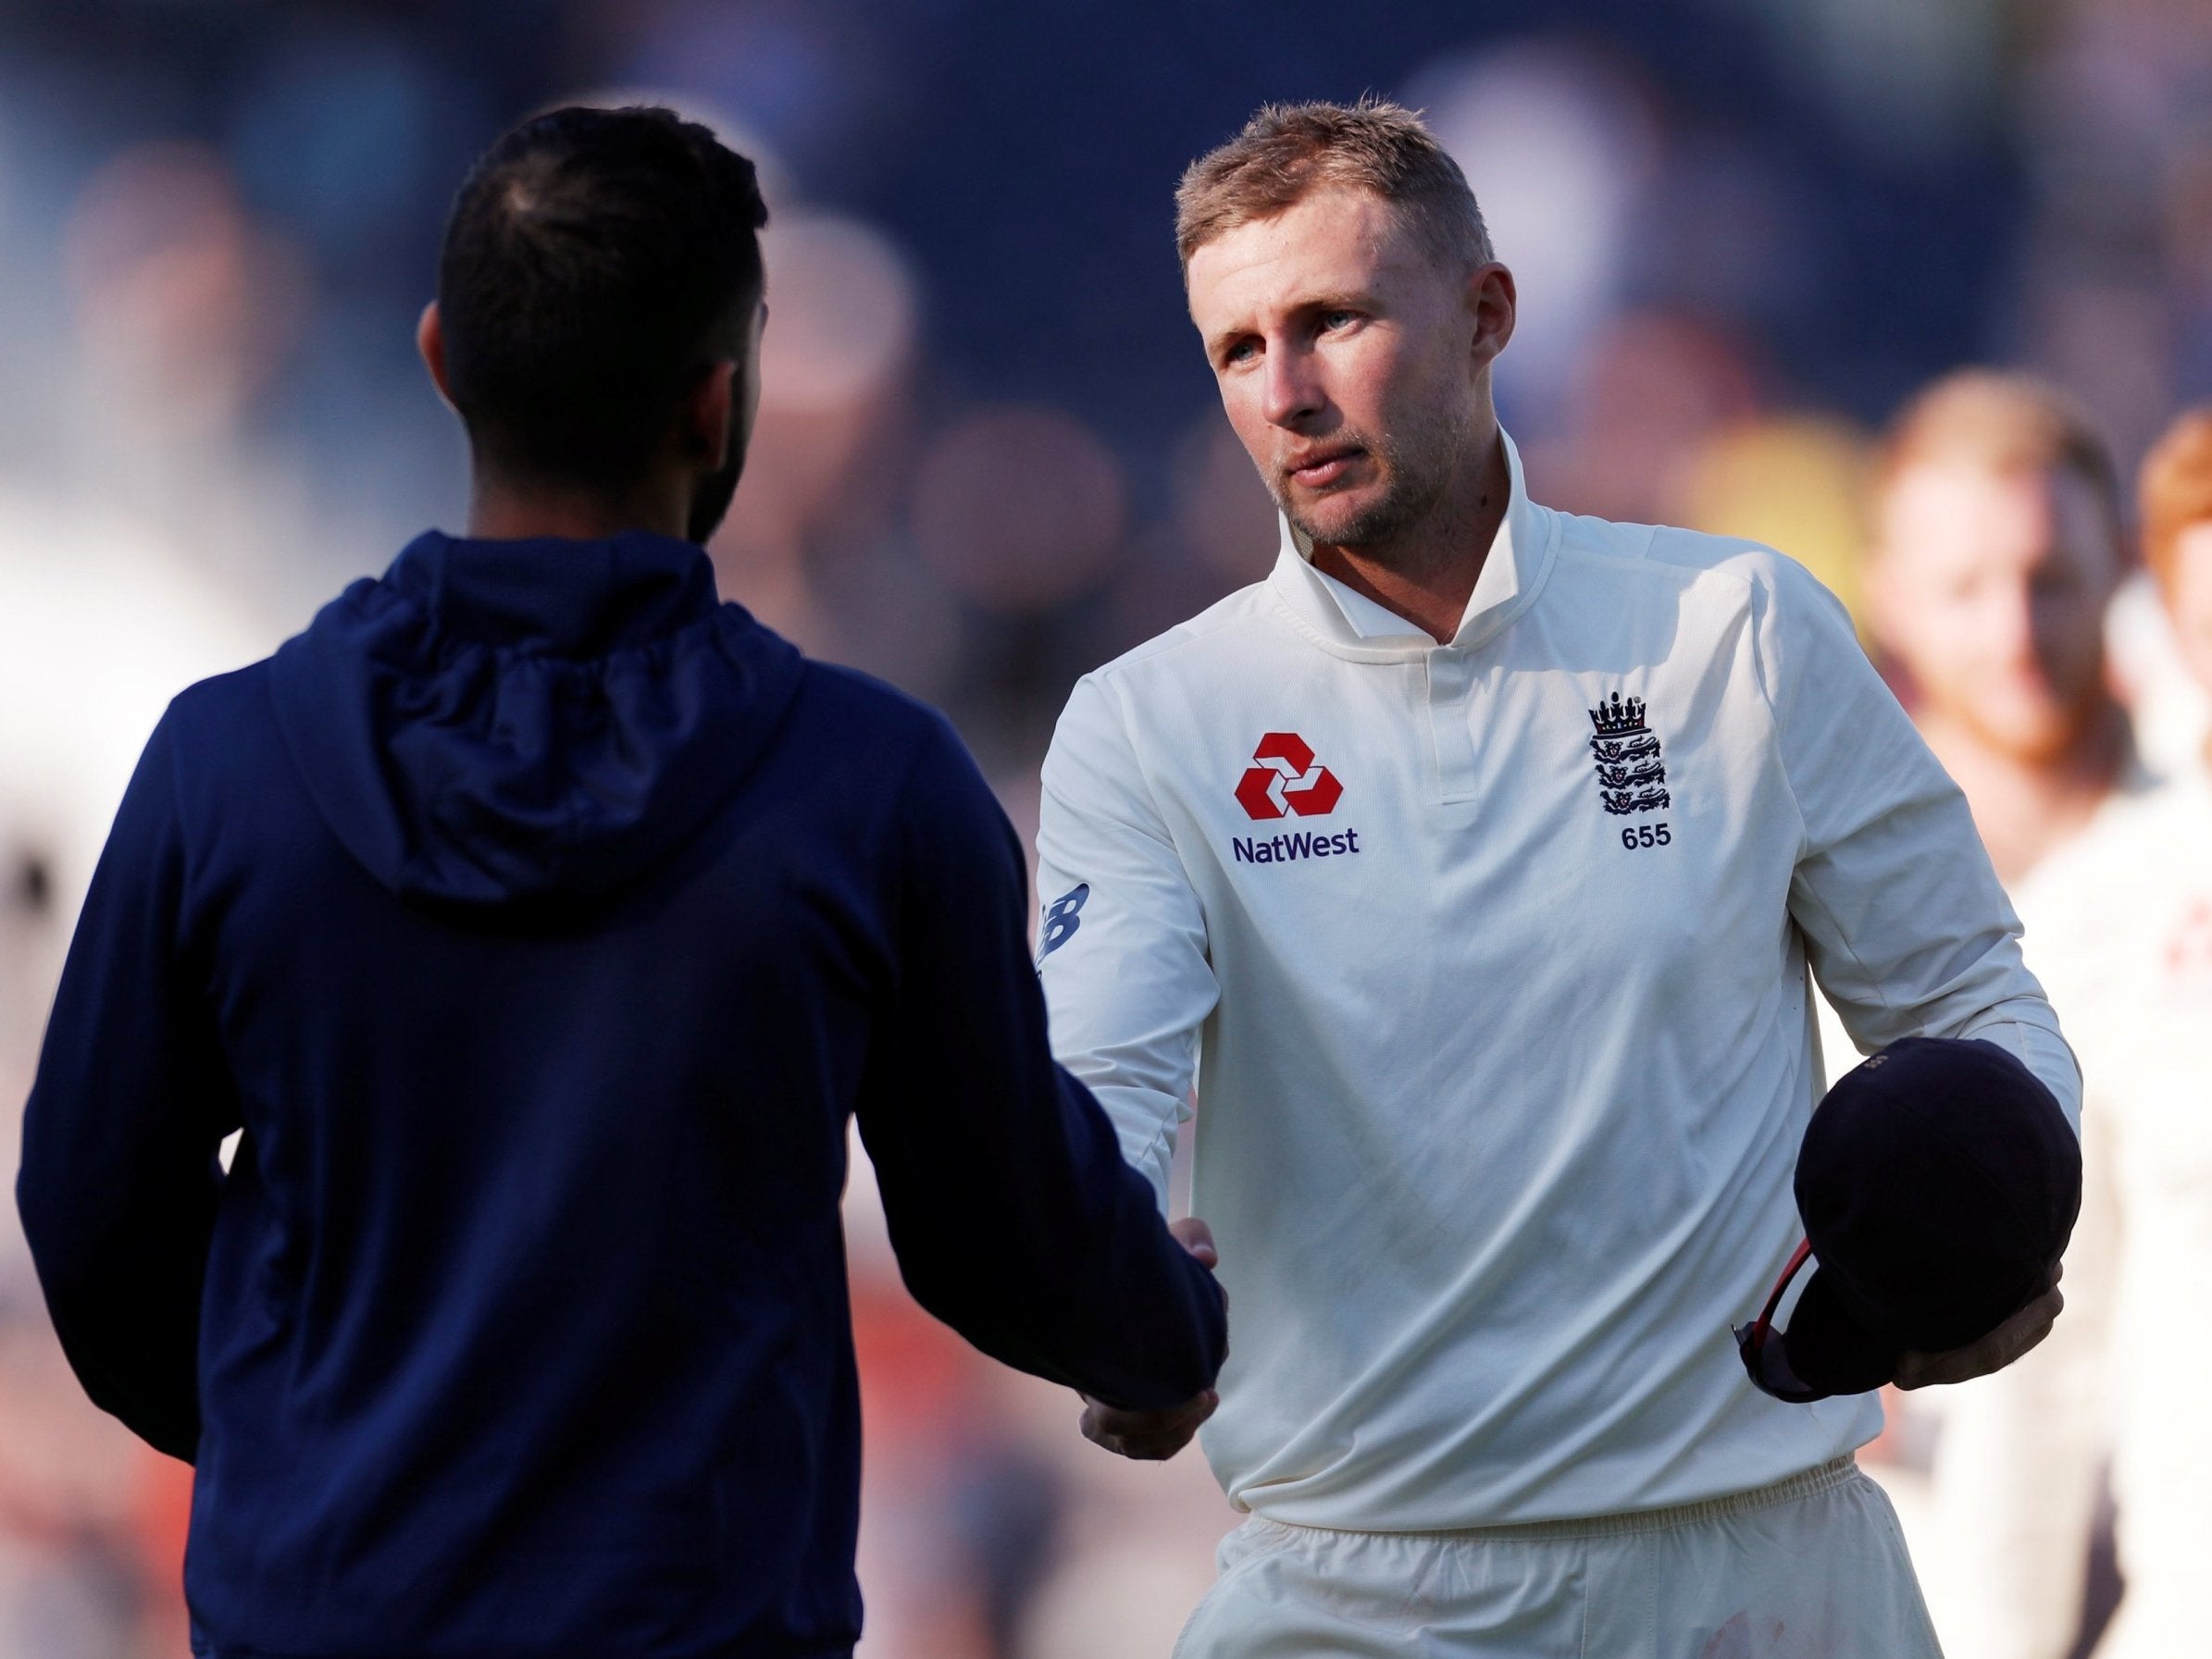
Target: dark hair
595, 261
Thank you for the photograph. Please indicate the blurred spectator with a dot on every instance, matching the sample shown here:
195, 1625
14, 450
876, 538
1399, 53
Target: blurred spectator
2121, 928
1647, 394
185, 310
1018, 508
103, 621
812, 545
2170, 710
1796, 482
2114, 114
1998, 546
1559, 137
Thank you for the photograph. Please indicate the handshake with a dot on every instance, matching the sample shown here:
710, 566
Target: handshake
1154, 1436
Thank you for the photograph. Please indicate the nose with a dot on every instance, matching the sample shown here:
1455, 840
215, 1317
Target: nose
1293, 393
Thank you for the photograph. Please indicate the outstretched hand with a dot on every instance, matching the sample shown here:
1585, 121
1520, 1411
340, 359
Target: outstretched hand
1993, 1353
1153, 1436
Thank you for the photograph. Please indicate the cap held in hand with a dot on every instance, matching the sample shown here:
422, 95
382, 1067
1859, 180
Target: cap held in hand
1938, 1183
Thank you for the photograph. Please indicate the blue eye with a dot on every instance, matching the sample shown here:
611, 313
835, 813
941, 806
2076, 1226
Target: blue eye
1337, 319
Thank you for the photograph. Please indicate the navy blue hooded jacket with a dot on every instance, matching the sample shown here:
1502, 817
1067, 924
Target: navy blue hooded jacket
541, 920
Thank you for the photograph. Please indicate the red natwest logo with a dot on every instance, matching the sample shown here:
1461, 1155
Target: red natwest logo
1288, 780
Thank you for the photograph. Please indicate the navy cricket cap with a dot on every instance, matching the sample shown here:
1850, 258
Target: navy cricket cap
1938, 1183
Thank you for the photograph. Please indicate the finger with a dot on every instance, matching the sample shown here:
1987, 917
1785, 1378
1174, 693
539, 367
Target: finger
1951, 1364
2007, 1343
1914, 1370
1937, 1370
2032, 1338
1133, 1424
1160, 1441
1195, 1236
1156, 1450
1150, 1445
2034, 1321
2017, 1335
1102, 1421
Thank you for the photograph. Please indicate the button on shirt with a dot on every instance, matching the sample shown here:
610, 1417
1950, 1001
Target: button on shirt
1487, 961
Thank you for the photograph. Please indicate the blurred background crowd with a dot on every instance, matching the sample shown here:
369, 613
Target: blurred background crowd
1748, 235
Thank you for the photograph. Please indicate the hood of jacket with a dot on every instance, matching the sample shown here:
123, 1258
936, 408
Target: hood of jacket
493, 721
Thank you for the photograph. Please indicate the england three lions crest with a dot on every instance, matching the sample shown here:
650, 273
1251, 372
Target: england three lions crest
1631, 773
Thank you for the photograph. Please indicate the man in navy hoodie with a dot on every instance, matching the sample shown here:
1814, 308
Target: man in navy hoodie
541, 920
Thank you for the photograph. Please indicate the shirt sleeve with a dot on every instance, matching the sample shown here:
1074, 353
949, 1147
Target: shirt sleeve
1013, 1217
119, 1180
1121, 940
1904, 922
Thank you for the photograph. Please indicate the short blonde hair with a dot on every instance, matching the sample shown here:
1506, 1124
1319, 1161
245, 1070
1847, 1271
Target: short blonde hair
1287, 151
2174, 489
2005, 422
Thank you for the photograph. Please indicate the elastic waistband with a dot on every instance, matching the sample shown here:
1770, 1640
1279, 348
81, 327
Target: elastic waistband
1812, 1483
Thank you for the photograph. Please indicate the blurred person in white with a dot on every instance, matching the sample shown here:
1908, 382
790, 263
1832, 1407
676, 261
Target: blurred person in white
1501, 1065
1998, 545
111, 602
2120, 927
102, 620
2170, 711
131, 571
186, 310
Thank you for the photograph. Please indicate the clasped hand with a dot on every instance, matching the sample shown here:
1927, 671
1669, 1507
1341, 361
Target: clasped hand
1153, 1436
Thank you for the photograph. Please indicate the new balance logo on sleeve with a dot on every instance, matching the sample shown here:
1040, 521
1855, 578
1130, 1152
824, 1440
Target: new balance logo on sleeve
1062, 917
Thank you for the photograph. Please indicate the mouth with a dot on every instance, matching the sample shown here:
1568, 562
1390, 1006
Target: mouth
1320, 468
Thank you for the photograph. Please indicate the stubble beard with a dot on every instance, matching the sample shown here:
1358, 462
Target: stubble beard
1417, 471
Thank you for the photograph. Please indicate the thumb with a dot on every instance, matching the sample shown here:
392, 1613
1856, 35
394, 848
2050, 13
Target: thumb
1195, 1236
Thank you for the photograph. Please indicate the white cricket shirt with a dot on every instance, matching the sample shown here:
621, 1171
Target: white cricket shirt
1487, 961
2120, 923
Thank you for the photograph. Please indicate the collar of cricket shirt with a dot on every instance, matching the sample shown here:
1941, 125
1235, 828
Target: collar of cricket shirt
1350, 625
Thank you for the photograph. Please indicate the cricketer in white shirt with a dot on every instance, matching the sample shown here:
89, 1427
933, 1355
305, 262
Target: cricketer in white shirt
2121, 925
1488, 963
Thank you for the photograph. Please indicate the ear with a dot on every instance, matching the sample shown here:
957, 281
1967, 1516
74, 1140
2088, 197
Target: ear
1493, 303
708, 416
429, 340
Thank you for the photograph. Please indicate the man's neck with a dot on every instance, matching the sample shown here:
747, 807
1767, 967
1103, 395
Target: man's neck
2026, 807
500, 511
1428, 574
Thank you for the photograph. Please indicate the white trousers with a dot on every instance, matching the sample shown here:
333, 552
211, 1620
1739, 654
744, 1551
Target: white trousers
1812, 1568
